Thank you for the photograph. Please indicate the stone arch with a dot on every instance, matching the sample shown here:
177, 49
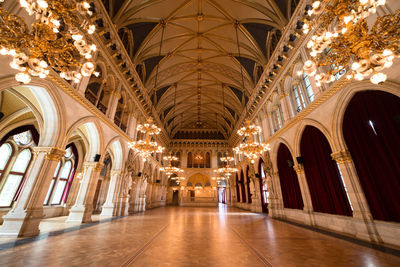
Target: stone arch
118, 152
94, 135
346, 95
299, 133
48, 105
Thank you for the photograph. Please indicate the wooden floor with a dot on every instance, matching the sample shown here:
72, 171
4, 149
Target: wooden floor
176, 236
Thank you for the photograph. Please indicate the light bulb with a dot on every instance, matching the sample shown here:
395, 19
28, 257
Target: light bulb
355, 66
359, 76
3, 51
381, 2
316, 4
77, 37
364, 2
42, 4
23, 77
93, 47
378, 78
56, 23
91, 29
348, 18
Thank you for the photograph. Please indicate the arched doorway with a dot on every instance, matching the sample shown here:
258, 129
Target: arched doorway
371, 129
263, 186
325, 184
291, 193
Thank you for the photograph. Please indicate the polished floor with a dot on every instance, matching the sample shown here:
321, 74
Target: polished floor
176, 236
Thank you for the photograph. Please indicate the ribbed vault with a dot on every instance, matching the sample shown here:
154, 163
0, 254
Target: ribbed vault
186, 52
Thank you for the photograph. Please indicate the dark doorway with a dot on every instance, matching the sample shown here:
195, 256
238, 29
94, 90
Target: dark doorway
175, 198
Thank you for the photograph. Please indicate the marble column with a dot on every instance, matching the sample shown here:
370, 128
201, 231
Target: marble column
24, 218
113, 103
184, 159
108, 206
305, 194
83, 207
364, 222
275, 206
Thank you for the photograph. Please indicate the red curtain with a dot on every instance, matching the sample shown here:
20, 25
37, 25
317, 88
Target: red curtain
323, 178
248, 185
237, 189
371, 129
290, 187
243, 188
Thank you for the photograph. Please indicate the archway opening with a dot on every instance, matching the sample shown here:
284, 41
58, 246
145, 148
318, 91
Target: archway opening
290, 188
328, 194
371, 129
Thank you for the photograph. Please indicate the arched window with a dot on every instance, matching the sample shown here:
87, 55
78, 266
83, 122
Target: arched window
64, 172
277, 117
298, 97
219, 162
15, 158
178, 162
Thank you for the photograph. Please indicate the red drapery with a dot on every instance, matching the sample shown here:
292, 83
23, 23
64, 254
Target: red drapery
237, 189
291, 192
248, 185
243, 188
323, 178
371, 129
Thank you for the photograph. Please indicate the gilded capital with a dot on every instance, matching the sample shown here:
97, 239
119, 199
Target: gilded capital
52, 153
298, 168
341, 156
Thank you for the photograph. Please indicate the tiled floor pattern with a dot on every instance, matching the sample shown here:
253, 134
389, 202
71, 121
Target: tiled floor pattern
176, 236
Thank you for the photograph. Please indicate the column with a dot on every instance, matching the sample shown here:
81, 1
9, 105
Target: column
266, 126
271, 125
214, 159
108, 206
184, 159
113, 103
132, 124
83, 208
305, 194
285, 110
364, 222
24, 218
275, 202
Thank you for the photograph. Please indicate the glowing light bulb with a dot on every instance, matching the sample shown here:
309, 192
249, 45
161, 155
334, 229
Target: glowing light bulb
42, 4
378, 78
23, 77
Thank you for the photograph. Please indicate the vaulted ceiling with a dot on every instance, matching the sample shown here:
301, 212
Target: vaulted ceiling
200, 59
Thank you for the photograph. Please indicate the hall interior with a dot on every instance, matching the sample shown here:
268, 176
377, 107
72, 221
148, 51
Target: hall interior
200, 132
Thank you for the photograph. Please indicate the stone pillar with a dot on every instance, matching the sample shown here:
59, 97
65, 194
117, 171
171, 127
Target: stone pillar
305, 194
266, 126
24, 218
285, 109
132, 124
275, 202
113, 103
271, 124
149, 191
184, 159
214, 159
83, 208
364, 222
108, 206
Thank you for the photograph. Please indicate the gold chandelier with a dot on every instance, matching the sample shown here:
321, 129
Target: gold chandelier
251, 148
369, 50
227, 170
146, 147
55, 40
170, 169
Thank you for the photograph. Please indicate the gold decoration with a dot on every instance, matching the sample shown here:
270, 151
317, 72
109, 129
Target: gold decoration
55, 40
369, 50
146, 147
251, 149
342, 156
55, 154
227, 170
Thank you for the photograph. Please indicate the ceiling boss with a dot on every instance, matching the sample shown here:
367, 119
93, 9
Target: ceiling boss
54, 40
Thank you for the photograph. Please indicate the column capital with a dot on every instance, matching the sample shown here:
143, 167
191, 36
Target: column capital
341, 156
299, 168
95, 165
52, 153
115, 172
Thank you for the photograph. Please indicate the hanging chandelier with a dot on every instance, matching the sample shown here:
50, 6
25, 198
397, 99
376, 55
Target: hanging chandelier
251, 148
170, 169
55, 40
368, 49
146, 147
227, 170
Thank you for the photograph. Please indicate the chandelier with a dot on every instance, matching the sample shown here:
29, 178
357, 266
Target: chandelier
227, 170
55, 40
146, 147
170, 169
198, 157
369, 50
251, 149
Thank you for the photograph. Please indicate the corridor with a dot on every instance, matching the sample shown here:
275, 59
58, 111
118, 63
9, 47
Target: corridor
175, 236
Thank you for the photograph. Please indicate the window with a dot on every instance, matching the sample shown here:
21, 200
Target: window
298, 98
340, 70
277, 118
307, 85
60, 178
15, 157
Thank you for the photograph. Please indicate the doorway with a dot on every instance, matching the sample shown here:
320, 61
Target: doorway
175, 198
